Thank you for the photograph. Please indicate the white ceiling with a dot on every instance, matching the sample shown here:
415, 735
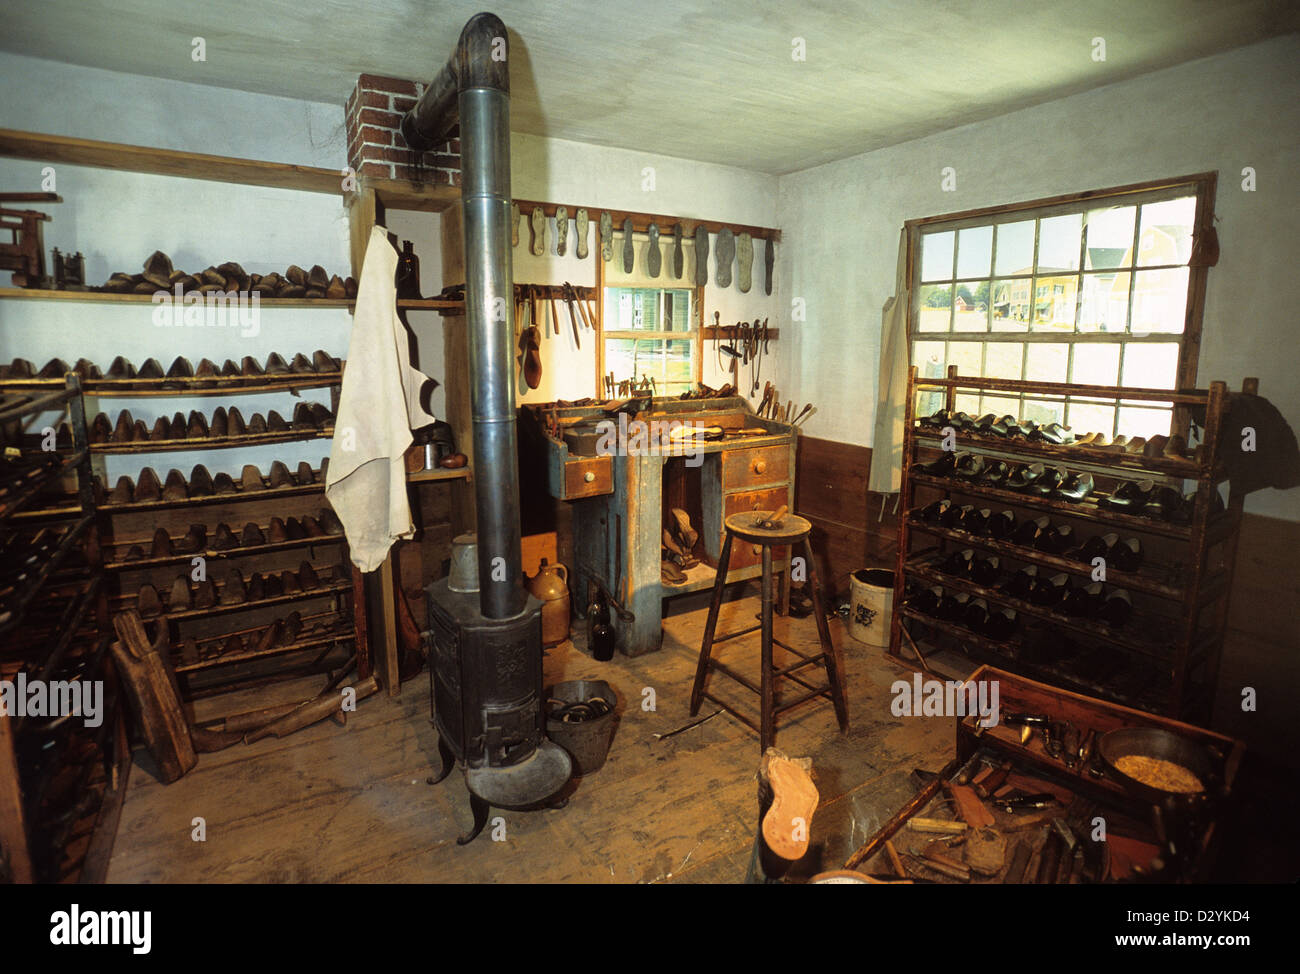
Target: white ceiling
713, 81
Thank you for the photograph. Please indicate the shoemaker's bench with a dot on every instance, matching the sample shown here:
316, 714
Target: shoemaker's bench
622, 487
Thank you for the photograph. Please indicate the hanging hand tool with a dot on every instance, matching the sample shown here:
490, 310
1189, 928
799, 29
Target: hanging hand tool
573, 318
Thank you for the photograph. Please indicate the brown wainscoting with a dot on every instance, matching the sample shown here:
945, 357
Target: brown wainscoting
849, 531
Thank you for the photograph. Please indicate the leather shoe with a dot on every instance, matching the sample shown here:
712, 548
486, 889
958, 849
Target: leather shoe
101, 428
257, 425
294, 529
205, 594
1129, 496
195, 539
235, 419
301, 363
995, 474
250, 366
152, 369
307, 576
276, 365
322, 361
932, 513
229, 369
275, 422
252, 535
1048, 483
120, 369
220, 423
289, 583
197, 427
124, 429
181, 369
256, 587
313, 527
969, 466
942, 467
251, 478
1117, 608
1002, 525
162, 430
1076, 488
1022, 478
223, 483
305, 475
302, 417
1029, 531
123, 491
1056, 540
273, 586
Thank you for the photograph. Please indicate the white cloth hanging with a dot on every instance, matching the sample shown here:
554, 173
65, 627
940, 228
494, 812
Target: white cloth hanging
379, 405
887, 441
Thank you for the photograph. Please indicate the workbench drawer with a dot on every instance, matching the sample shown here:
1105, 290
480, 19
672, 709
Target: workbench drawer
587, 477
743, 553
760, 465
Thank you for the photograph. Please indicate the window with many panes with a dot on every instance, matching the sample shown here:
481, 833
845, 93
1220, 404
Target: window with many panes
1096, 290
649, 331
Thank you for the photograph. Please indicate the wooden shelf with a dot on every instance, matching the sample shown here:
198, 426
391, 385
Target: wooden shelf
266, 493
438, 474
323, 590
1111, 463
109, 297
211, 442
310, 641
213, 554
191, 386
169, 162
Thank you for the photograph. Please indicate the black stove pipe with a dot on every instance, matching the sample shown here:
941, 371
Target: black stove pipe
473, 88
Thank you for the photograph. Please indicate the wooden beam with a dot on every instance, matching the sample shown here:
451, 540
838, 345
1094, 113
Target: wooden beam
168, 162
641, 221
406, 194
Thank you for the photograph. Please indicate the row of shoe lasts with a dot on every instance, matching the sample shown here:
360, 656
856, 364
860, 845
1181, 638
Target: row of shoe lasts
16, 467
224, 539
1038, 533
281, 632
146, 488
234, 591
1059, 592
997, 623
1033, 478
293, 283
1008, 427
122, 369
306, 416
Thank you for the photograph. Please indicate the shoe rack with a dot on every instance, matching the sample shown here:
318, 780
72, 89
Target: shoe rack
61, 782
279, 619
1160, 651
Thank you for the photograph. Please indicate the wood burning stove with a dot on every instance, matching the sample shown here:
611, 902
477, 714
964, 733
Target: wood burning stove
486, 647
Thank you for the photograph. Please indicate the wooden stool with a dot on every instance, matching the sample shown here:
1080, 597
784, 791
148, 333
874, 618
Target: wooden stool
790, 530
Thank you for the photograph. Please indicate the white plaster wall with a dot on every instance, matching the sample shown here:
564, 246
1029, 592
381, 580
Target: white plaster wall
118, 218
841, 221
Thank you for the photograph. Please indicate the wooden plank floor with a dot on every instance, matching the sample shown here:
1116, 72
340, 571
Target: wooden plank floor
353, 804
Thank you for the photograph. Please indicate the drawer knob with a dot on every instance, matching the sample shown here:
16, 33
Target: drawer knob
756, 549
760, 466
589, 476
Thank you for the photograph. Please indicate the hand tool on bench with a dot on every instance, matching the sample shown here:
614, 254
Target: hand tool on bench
801, 414
769, 522
895, 860
988, 784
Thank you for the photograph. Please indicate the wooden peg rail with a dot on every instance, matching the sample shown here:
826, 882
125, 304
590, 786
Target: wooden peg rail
553, 292
728, 333
641, 221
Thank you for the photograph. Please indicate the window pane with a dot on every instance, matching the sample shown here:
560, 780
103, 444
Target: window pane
1000, 406
1150, 366
1015, 248
667, 361
936, 307
1058, 243
1047, 362
1011, 304
1166, 236
1104, 303
1054, 300
1144, 421
928, 359
1087, 417
1110, 236
1003, 360
974, 251
1159, 301
1044, 411
968, 403
1095, 365
971, 307
967, 356
936, 256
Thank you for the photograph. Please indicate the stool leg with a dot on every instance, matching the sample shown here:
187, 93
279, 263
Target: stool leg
767, 724
831, 655
706, 645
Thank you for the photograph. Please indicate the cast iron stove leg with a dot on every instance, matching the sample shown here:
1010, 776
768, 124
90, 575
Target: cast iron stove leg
448, 761
480, 808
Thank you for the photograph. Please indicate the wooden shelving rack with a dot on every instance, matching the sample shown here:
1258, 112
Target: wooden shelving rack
61, 781
1166, 658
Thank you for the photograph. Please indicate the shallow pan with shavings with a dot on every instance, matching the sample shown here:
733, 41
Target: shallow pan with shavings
1160, 744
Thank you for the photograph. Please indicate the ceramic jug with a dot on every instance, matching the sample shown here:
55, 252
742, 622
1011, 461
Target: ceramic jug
551, 586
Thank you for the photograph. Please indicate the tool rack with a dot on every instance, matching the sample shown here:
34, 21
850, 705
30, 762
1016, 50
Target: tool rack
1166, 659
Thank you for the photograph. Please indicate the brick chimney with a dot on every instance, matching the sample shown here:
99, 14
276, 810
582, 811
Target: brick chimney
375, 144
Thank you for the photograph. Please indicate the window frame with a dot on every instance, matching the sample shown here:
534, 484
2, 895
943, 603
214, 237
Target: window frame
1201, 185
691, 334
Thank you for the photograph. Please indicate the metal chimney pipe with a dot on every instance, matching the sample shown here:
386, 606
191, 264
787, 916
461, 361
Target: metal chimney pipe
474, 89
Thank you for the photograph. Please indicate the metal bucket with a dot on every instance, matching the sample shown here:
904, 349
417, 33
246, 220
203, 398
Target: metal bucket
463, 576
871, 598
587, 742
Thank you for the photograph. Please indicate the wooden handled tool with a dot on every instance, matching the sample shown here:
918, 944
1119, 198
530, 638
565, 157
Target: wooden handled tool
154, 695
320, 708
774, 521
